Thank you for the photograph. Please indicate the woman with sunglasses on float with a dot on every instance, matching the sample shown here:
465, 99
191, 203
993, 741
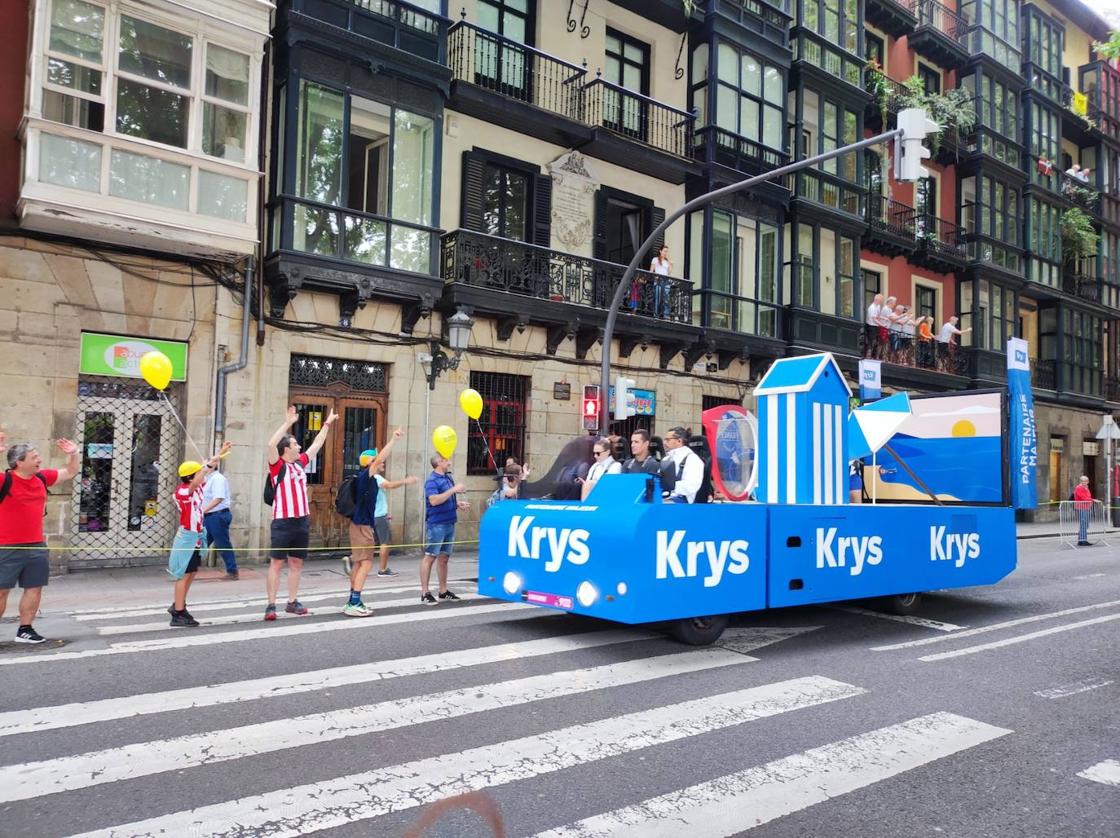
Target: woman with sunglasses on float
604, 463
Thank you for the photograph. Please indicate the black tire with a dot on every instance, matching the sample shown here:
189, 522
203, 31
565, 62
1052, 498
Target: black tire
902, 604
699, 631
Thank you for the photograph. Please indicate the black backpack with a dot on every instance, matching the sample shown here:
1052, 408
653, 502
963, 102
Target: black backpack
6, 484
346, 498
270, 484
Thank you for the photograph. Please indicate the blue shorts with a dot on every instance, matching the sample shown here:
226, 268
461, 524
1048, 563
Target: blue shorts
438, 538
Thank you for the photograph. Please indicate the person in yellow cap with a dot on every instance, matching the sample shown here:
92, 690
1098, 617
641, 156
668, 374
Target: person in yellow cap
185, 556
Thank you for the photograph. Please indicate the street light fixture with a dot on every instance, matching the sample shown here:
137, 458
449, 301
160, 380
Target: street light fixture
459, 336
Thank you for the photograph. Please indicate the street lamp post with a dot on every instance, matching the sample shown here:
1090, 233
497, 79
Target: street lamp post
458, 335
906, 136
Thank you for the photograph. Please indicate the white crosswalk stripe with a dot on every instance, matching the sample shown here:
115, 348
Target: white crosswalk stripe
716, 808
255, 615
1107, 772
22, 781
342, 800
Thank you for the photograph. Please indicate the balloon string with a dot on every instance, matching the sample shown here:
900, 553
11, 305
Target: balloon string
486, 445
175, 413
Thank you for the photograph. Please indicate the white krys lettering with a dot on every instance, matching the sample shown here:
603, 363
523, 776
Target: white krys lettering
974, 545
518, 527
557, 544
717, 558
539, 535
667, 558
935, 551
959, 541
695, 550
866, 550
577, 544
824, 547
740, 561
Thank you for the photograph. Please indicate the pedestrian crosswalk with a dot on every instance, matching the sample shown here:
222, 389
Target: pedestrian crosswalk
581, 698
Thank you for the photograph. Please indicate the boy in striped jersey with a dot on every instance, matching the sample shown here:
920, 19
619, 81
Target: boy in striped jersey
291, 511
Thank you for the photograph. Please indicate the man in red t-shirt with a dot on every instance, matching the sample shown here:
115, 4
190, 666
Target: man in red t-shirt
291, 509
24, 557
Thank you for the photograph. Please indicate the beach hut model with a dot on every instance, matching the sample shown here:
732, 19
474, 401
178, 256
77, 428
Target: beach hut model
802, 408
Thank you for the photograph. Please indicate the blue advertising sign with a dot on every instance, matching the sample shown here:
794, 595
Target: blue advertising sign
645, 401
870, 379
1024, 433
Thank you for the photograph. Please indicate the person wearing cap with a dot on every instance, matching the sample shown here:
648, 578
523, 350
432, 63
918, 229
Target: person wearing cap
186, 555
363, 537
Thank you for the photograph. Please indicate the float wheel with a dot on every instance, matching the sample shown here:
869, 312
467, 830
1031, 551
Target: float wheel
699, 631
902, 604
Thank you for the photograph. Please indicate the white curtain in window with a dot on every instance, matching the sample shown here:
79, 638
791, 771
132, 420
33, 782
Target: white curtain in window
227, 74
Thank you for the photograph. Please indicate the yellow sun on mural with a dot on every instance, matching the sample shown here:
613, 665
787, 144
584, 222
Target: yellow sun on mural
964, 428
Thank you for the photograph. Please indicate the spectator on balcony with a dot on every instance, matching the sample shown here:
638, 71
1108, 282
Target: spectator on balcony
898, 318
661, 266
1084, 176
906, 324
1074, 171
925, 341
886, 321
871, 326
946, 340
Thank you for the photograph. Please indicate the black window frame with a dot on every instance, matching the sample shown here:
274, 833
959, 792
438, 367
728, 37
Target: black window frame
501, 393
539, 199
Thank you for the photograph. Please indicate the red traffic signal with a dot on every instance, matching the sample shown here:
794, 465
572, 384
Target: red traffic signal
591, 407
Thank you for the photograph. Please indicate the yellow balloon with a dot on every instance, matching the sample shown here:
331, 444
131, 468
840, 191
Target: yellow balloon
471, 402
444, 440
156, 369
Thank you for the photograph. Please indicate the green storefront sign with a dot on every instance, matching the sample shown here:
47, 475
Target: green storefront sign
120, 356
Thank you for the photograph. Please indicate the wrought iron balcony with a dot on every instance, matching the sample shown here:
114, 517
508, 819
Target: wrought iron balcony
940, 244
395, 23
774, 15
891, 226
716, 145
637, 117
1078, 191
1080, 279
941, 34
515, 71
528, 270
886, 98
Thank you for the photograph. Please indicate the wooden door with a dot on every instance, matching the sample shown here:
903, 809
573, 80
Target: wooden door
360, 425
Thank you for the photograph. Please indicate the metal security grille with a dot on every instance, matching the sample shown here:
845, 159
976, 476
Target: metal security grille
502, 422
708, 402
122, 509
312, 371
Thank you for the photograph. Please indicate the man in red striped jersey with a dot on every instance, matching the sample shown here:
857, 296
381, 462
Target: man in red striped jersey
291, 511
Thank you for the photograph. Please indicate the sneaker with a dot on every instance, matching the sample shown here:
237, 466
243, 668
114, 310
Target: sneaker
171, 609
29, 635
428, 599
270, 613
357, 609
449, 597
387, 572
232, 577
183, 619
296, 607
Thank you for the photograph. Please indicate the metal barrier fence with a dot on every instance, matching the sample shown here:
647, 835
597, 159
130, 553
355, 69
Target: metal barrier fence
1082, 523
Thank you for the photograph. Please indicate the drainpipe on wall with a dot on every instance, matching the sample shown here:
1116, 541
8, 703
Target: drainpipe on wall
243, 360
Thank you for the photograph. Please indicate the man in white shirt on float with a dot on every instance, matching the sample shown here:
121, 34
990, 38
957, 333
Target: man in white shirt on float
688, 466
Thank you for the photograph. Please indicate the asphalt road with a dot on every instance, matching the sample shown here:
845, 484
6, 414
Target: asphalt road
994, 715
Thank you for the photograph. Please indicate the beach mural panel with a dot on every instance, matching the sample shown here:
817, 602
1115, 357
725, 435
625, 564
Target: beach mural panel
955, 444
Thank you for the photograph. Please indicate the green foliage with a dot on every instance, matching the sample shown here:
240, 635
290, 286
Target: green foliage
875, 82
1110, 49
1079, 239
951, 109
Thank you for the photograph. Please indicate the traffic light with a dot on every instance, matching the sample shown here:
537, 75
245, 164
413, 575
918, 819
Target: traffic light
624, 406
908, 149
591, 407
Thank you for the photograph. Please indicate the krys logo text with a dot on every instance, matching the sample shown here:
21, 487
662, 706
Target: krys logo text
552, 544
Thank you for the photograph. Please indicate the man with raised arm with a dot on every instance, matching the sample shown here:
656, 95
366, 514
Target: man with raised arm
291, 510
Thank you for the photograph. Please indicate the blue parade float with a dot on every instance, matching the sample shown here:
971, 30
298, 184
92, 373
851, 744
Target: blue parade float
625, 555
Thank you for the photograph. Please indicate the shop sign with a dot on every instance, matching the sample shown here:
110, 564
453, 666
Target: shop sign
120, 356
645, 402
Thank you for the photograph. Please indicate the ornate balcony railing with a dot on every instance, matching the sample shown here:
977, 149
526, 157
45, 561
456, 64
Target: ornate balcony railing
720, 146
889, 216
1080, 279
515, 70
1044, 374
777, 13
351, 236
938, 16
1079, 192
633, 115
393, 22
528, 270
940, 237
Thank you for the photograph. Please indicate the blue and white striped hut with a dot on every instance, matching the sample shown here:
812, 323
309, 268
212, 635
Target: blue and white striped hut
802, 406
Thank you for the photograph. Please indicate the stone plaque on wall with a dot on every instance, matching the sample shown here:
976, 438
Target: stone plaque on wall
573, 203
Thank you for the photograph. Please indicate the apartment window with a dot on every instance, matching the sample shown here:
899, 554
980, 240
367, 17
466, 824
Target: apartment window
742, 285
372, 159
997, 110
872, 282
1045, 44
749, 96
828, 126
996, 31
989, 312
931, 78
925, 197
505, 197
499, 432
837, 20
627, 66
1082, 351
993, 214
925, 301
1044, 242
1045, 139
505, 208
509, 18
150, 80
875, 49
824, 270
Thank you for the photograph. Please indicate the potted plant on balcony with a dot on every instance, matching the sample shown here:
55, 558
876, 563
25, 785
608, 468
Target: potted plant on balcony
951, 109
875, 82
1079, 240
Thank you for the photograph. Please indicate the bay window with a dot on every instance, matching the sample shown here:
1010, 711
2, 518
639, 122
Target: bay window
363, 186
988, 311
1044, 243
749, 96
741, 283
144, 108
990, 215
823, 270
